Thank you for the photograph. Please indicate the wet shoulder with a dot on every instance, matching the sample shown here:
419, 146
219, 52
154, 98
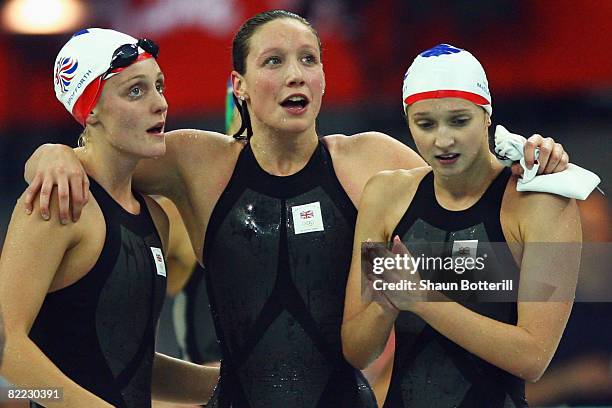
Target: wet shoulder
373, 151
396, 186
524, 214
388, 195
360, 143
204, 158
84, 229
201, 144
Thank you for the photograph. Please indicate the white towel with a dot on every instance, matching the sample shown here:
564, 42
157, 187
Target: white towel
573, 182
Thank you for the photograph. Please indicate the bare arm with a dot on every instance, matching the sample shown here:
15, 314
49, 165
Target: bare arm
396, 155
182, 382
366, 326
359, 157
524, 349
31, 256
1, 336
58, 165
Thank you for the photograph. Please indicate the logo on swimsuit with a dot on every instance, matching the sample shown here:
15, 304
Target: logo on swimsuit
64, 72
440, 49
464, 250
307, 218
306, 214
158, 258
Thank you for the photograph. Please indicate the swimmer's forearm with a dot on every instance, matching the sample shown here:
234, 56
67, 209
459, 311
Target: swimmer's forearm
365, 335
182, 382
512, 348
27, 367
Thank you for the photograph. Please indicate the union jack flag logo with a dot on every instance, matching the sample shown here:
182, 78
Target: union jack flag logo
307, 214
64, 72
463, 251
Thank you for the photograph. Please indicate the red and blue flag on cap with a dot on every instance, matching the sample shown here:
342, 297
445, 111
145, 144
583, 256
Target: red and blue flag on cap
64, 72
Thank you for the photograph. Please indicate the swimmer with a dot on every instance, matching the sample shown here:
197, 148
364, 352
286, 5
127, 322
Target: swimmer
81, 300
455, 352
271, 217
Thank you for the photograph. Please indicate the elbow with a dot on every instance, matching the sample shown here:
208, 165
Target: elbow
534, 372
534, 367
354, 359
10, 348
352, 352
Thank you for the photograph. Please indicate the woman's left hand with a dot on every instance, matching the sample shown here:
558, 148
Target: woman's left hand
402, 274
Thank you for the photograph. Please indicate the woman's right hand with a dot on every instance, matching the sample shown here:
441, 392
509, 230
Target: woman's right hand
51, 166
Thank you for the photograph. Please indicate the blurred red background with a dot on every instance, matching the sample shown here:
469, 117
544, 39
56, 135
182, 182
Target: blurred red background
552, 47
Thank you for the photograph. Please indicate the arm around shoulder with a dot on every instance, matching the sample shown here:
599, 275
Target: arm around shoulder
54, 165
189, 152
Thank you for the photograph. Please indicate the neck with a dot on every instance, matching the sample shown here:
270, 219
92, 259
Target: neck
282, 153
460, 190
112, 169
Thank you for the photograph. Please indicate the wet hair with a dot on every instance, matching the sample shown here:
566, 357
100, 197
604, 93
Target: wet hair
240, 51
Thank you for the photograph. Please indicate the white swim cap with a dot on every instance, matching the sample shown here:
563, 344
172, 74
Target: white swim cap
445, 71
80, 64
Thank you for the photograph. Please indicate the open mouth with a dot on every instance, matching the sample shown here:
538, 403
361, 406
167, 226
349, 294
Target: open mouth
448, 156
295, 102
157, 129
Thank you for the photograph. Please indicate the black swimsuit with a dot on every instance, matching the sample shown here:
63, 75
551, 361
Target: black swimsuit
430, 370
100, 331
277, 254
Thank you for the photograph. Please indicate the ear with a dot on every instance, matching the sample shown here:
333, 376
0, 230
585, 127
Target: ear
92, 118
239, 86
487, 119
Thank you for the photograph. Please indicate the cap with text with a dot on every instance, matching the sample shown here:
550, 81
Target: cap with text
80, 64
